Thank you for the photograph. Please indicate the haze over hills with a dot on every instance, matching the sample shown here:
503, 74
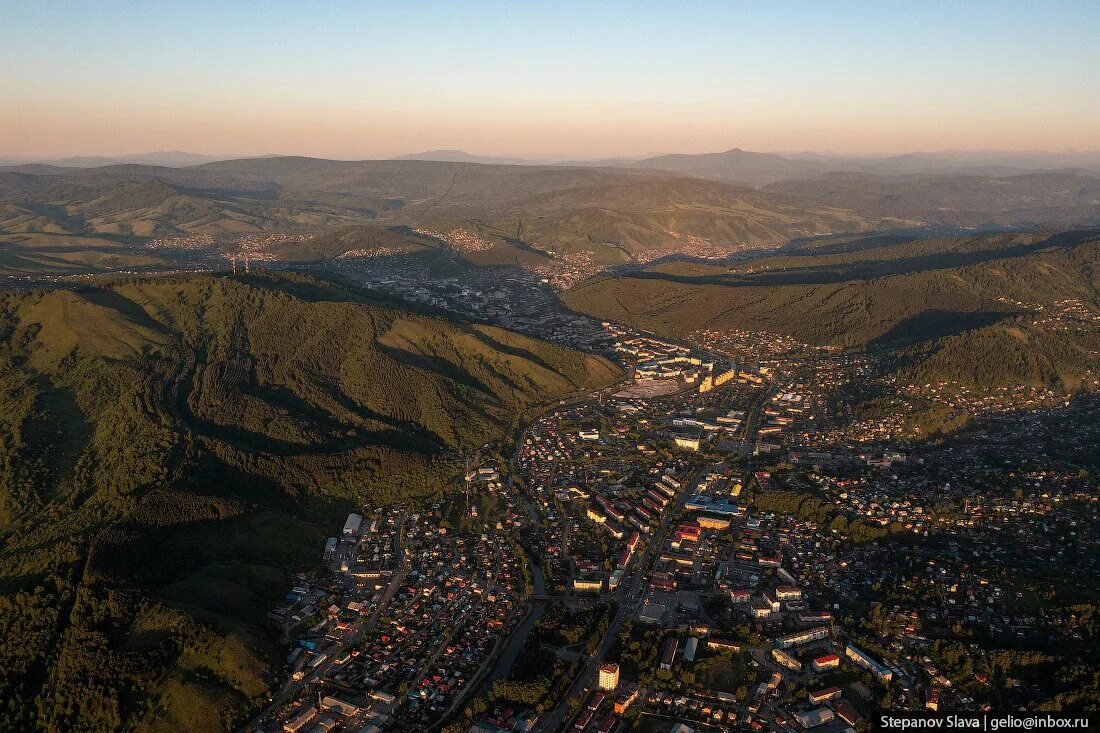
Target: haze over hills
565, 218
172, 450
610, 215
760, 169
459, 156
976, 162
1054, 198
736, 166
172, 158
749, 168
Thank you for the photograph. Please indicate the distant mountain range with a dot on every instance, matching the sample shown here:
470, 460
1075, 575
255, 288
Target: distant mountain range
173, 158
747, 168
966, 200
615, 213
611, 215
731, 166
734, 166
458, 156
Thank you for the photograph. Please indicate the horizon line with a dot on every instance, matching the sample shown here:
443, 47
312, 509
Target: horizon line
548, 157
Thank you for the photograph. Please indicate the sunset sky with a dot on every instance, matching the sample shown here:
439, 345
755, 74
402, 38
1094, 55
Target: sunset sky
361, 80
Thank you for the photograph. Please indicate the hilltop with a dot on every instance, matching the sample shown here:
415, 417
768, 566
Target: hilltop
460, 156
356, 240
172, 450
736, 166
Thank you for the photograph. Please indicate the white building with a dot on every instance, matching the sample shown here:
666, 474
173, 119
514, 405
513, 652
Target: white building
351, 527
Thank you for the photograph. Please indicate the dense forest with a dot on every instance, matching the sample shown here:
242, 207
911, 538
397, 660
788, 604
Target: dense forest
172, 450
1007, 354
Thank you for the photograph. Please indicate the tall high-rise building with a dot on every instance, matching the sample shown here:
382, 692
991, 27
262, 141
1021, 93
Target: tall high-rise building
609, 676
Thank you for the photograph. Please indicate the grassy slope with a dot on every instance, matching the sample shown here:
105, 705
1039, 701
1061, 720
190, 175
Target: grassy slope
171, 450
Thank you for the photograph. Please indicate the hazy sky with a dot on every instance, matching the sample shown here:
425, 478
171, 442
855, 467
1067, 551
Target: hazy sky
588, 79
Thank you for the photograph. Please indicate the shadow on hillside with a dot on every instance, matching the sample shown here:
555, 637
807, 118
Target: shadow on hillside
1062, 433
122, 305
817, 246
872, 268
841, 242
496, 345
524, 246
934, 324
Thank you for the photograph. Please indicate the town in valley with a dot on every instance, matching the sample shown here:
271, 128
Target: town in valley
683, 366
714, 543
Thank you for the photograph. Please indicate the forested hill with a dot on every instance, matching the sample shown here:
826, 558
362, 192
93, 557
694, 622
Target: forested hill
172, 449
989, 298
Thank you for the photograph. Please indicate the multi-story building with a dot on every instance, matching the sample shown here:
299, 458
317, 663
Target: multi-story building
608, 676
862, 659
802, 637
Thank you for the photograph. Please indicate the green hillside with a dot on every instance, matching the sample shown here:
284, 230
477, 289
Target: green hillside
172, 450
882, 294
45, 254
1007, 354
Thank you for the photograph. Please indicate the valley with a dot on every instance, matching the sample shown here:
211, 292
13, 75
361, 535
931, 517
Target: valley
577, 420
